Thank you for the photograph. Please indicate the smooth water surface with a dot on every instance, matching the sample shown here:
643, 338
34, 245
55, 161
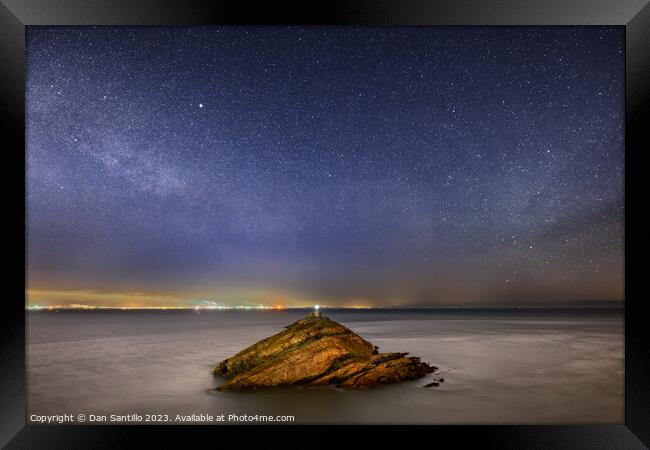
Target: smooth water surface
499, 366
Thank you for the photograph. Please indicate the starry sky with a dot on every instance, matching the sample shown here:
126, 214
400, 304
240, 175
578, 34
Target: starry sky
340, 166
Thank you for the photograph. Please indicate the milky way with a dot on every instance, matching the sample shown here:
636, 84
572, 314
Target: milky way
388, 166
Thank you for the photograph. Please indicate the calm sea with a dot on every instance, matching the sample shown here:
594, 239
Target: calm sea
532, 367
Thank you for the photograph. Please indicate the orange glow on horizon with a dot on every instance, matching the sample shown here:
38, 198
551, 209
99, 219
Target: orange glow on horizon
39, 299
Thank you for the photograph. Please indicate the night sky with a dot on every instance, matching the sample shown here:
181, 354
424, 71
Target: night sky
340, 166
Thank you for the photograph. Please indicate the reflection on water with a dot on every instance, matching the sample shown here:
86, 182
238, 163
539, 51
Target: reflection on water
524, 367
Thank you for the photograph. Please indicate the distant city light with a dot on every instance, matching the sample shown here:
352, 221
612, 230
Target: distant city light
211, 306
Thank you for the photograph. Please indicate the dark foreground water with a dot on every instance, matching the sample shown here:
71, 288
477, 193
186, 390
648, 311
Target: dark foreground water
499, 367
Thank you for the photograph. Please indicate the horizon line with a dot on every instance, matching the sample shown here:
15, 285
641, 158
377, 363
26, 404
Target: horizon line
591, 305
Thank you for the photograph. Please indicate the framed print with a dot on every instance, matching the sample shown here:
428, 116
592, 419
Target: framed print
256, 219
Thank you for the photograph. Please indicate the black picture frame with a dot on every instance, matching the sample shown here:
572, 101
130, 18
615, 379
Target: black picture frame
634, 15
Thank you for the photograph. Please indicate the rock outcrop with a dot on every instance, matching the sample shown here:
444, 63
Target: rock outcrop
317, 351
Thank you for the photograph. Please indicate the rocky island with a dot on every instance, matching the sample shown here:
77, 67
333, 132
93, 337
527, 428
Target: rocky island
317, 351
